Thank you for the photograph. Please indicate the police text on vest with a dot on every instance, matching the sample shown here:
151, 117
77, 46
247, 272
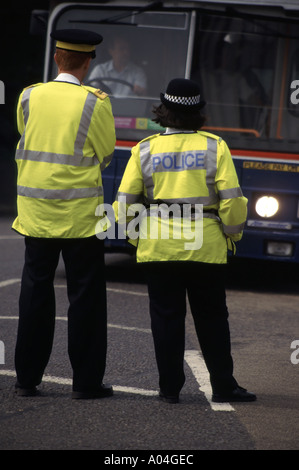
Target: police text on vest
190, 160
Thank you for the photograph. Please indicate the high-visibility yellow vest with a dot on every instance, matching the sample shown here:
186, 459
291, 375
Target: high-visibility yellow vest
191, 171
67, 139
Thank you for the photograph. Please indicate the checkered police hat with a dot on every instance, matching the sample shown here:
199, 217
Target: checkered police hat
182, 95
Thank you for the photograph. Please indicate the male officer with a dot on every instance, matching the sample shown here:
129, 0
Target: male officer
67, 139
128, 79
186, 169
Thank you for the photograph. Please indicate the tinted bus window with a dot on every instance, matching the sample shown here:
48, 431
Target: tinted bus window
245, 67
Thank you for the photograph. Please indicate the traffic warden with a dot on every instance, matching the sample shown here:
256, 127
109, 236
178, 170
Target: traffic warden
67, 139
187, 167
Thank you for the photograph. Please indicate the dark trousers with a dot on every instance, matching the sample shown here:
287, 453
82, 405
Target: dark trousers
168, 284
87, 313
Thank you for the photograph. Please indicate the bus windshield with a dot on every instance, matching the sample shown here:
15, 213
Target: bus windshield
140, 54
245, 66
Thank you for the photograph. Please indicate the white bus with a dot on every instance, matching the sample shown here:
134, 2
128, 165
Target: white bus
245, 56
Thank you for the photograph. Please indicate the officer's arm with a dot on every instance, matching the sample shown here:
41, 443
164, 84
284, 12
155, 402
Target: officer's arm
103, 132
20, 116
232, 204
130, 192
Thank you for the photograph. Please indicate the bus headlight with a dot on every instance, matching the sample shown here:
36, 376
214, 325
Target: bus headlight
266, 206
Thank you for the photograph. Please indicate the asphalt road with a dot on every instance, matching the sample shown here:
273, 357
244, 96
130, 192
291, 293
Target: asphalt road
263, 304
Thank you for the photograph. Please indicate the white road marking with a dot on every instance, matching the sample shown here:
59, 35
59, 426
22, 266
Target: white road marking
11, 237
8, 282
110, 325
193, 358
121, 291
10, 317
200, 372
65, 381
63, 286
132, 328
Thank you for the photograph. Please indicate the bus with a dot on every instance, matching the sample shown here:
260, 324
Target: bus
245, 57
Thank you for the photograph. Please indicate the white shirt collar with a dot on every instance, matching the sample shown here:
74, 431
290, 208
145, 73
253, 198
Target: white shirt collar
172, 130
67, 77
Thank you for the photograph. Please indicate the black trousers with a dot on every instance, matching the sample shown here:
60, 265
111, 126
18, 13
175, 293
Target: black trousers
87, 313
168, 284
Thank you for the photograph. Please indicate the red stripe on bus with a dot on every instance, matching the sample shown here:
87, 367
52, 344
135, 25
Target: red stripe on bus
266, 155
125, 143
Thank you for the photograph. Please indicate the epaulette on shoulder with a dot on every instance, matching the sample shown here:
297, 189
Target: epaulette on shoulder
33, 85
97, 92
149, 137
211, 136
100, 94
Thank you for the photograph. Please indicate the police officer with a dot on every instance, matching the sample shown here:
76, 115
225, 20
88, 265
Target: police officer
192, 170
67, 139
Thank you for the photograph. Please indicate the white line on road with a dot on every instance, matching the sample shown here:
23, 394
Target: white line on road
122, 291
132, 328
193, 359
111, 289
11, 237
63, 286
110, 325
8, 282
200, 372
65, 381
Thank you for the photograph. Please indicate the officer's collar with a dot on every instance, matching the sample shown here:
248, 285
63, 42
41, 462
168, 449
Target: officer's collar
67, 77
172, 130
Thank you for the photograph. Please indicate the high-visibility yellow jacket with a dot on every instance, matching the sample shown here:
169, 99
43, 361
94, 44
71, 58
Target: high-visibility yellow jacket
192, 170
67, 139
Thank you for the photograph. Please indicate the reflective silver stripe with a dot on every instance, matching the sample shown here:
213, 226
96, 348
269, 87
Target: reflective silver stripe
233, 229
181, 200
210, 215
129, 198
65, 194
146, 168
25, 107
63, 159
78, 159
176, 212
230, 193
106, 161
86, 116
211, 166
210, 163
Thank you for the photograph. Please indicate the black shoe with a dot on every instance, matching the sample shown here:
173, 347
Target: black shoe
26, 392
169, 398
102, 392
238, 394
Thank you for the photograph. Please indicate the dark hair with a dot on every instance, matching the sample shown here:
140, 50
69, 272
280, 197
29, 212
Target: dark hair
189, 121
